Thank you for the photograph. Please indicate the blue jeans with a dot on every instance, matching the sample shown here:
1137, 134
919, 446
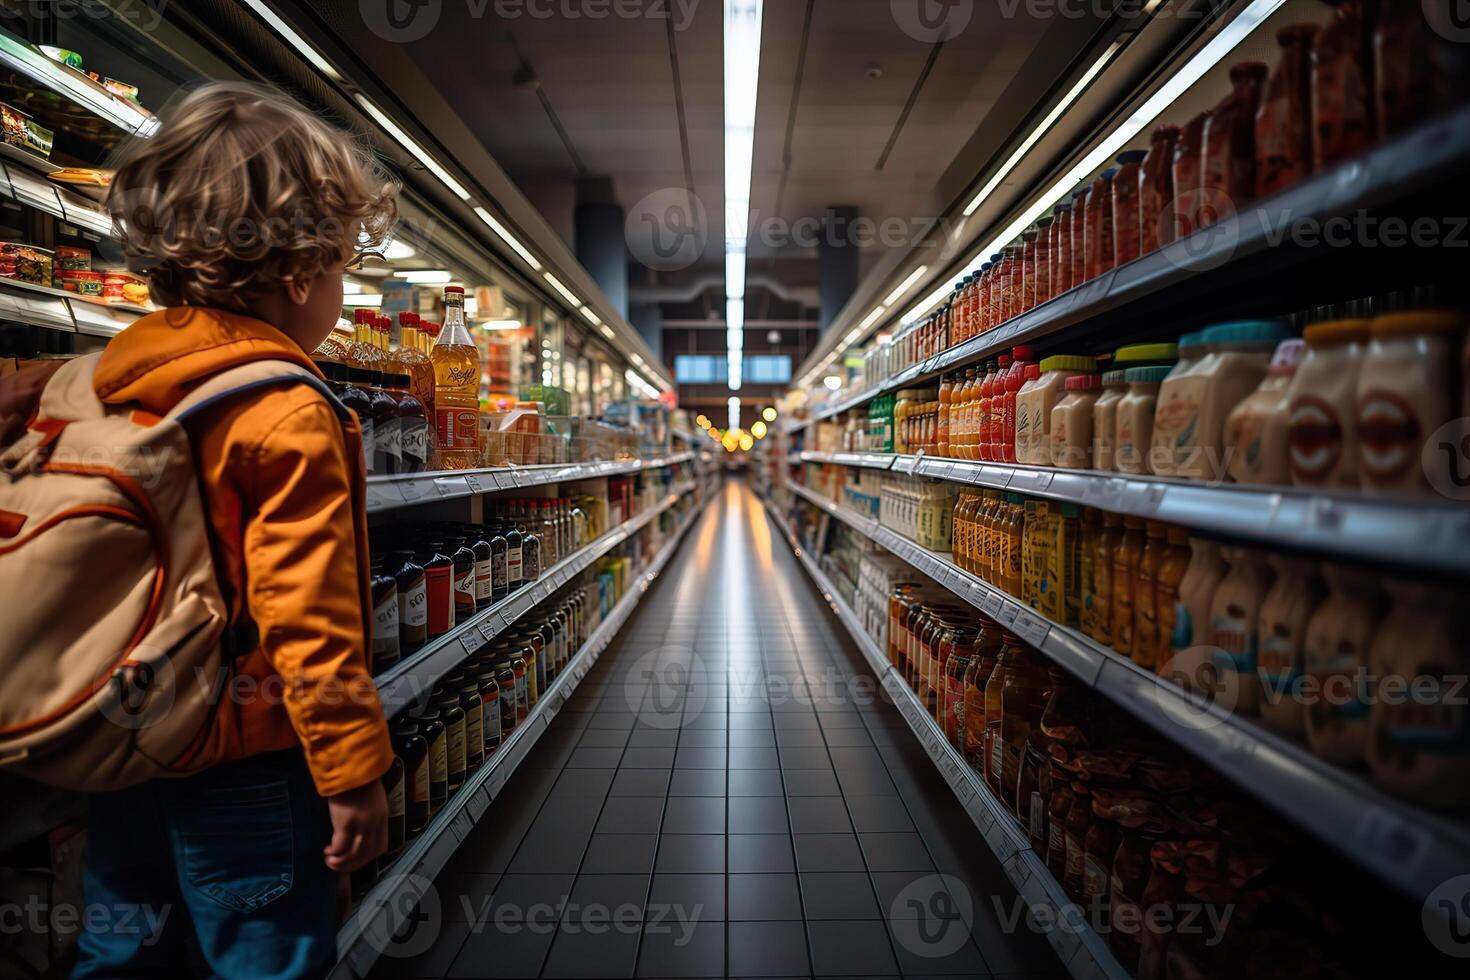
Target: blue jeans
233, 853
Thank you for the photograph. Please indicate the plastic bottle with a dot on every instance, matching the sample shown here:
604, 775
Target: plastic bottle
1021, 361
1036, 403
1256, 429
1192, 661
1342, 86
1105, 420
457, 370
1156, 190
1145, 647
1061, 249
1098, 234
1186, 175
1126, 558
1071, 423
1287, 608
1168, 577
1228, 159
1335, 657
1127, 208
1284, 120
1234, 628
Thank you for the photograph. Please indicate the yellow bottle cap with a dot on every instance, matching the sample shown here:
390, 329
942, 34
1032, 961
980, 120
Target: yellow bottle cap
1417, 321
1334, 332
1068, 362
1147, 354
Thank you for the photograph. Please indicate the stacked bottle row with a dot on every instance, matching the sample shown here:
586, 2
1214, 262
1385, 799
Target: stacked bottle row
437, 574
1372, 73
1360, 666
458, 726
1136, 834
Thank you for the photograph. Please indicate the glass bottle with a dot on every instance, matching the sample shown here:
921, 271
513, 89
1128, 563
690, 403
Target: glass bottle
464, 579
415, 362
484, 567
413, 425
514, 558
363, 353
409, 745
413, 603
468, 690
385, 639
439, 589
387, 455
431, 728
457, 370
499, 584
452, 715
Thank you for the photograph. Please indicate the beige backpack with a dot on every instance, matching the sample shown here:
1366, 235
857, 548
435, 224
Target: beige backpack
114, 631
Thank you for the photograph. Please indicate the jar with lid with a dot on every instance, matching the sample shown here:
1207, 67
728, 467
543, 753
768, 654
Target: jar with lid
1186, 175
1228, 159
1025, 688
1033, 786
1406, 391
1156, 190
1127, 208
987, 647
1342, 94
1071, 422
1060, 278
1034, 405
1256, 429
1105, 420
1098, 234
1284, 122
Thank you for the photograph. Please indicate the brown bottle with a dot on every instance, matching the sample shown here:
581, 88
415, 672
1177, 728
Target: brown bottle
1228, 159
1098, 233
1342, 87
1186, 175
1284, 123
1025, 689
1156, 190
413, 425
386, 633
410, 747
1127, 216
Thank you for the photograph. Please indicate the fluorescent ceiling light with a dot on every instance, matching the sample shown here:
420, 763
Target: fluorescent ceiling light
592, 318
556, 284
735, 275
295, 40
898, 291
508, 238
364, 300
637, 359
735, 314
832, 381
1229, 37
1046, 123
427, 277
397, 249
418, 152
499, 325
872, 318
471, 306
607, 331
734, 405
350, 288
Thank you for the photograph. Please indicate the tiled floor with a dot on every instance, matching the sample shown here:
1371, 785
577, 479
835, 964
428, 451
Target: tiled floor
725, 795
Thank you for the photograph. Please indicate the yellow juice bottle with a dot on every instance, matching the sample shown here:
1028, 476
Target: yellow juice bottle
456, 363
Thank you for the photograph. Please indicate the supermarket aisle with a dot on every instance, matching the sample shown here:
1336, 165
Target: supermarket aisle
725, 796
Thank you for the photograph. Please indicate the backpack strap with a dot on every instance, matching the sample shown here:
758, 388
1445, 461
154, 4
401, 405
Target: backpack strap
251, 377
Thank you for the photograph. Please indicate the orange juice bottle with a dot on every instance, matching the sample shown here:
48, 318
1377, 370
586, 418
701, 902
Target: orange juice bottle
967, 441
415, 362
456, 362
363, 353
946, 399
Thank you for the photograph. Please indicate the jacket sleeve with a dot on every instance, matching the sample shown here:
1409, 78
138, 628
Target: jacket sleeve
304, 591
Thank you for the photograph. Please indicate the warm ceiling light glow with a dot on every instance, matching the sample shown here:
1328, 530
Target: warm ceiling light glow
350, 288
364, 299
607, 331
428, 277
758, 429
769, 414
505, 236
702, 422
395, 250
499, 325
832, 381
416, 151
746, 442
898, 292
567, 294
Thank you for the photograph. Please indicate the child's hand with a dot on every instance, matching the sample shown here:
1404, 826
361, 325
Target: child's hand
359, 827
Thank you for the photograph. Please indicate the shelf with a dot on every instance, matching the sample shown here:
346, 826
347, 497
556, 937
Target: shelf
75, 87
1081, 950
1412, 849
386, 493
36, 191
369, 931
408, 680
1419, 532
1434, 154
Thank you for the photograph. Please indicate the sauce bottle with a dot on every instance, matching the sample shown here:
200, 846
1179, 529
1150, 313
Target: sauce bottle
1192, 661
1234, 628
491, 725
457, 370
463, 560
977, 675
413, 751
1061, 249
514, 558
1168, 577
1092, 529
1105, 419
431, 728
1322, 405
1186, 175
505, 680
355, 397
413, 603
1256, 430
1228, 159
1127, 207
395, 790
1125, 577
447, 700
1074, 831
1040, 270
1145, 646
1010, 541
1284, 121
1406, 391
1098, 233
1284, 615
1078, 253
385, 640
387, 432
484, 566
468, 691
1410, 73
499, 550
1058, 808
1026, 291
413, 425
1335, 655
1105, 547
1025, 688
1342, 88
1156, 190
946, 397
438, 589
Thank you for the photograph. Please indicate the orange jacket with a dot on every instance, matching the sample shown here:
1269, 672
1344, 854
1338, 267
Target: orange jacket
283, 485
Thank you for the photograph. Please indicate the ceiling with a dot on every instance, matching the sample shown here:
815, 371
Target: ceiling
609, 83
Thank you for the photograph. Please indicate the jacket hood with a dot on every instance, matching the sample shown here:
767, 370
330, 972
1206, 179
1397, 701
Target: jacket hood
160, 357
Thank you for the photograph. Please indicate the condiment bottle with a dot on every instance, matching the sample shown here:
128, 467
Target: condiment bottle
464, 578
1417, 726
499, 581
1186, 175
410, 747
484, 566
1034, 405
982, 663
489, 689
1192, 350
1075, 827
1040, 271
1156, 190
1078, 253
431, 729
1234, 623
1098, 226
1125, 577
457, 371
1322, 405
1021, 362
1105, 420
1192, 659
1097, 609
1284, 120
946, 396
1228, 160
1410, 69
1136, 412
1168, 577
1071, 422
387, 431
385, 639
1061, 249
413, 425
1335, 657
1127, 207
1057, 809
1284, 616
413, 603
1405, 393
1145, 647
1025, 688
454, 731
1256, 429
355, 396
468, 690
1027, 277
438, 588
1342, 88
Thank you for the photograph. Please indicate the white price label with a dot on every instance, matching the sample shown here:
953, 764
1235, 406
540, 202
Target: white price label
451, 486
480, 483
991, 605
382, 496
1153, 496
1034, 481
415, 490
1007, 614
1031, 628
471, 640
491, 627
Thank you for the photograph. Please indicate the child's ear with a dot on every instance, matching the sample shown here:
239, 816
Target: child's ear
299, 291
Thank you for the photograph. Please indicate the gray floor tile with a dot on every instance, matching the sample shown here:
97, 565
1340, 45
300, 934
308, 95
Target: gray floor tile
620, 854
760, 853
673, 949
687, 897
852, 948
827, 852
584, 949
767, 949
697, 782
844, 895
691, 854
763, 897
694, 815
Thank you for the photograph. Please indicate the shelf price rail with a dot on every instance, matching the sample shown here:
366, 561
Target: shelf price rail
1083, 952
369, 931
1430, 155
1412, 849
385, 493
1421, 533
406, 682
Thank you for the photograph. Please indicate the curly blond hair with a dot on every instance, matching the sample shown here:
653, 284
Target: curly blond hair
242, 192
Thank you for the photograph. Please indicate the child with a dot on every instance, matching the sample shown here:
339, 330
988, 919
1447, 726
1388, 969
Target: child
245, 209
